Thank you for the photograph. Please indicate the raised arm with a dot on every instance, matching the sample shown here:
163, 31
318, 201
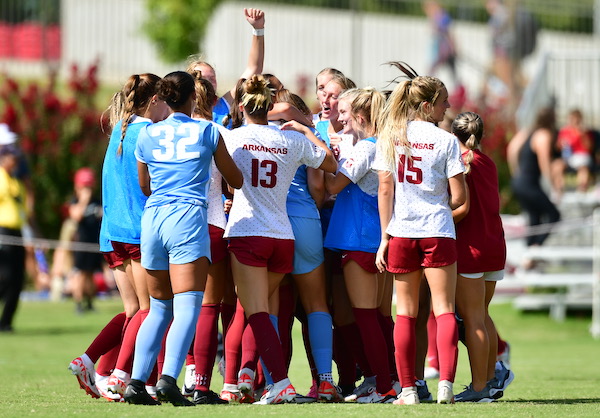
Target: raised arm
256, 56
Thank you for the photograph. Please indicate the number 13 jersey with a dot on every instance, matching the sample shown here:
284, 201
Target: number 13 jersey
421, 207
268, 158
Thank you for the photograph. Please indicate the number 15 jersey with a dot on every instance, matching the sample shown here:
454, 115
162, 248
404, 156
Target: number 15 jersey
421, 207
268, 158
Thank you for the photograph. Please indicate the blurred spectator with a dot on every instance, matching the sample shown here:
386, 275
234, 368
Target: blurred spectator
530, 155
12, 217
443, 48
514, 36
86, 211
576, 146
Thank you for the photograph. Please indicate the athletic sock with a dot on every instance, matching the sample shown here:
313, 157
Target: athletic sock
108, 338
125, 359
432, 350
375, 346
405, 342
233, 345
186, 308
107, 361
352, 341
321, 340
205, 344
285, 318
344, 360
387, 328
227, 313
447, 341
268, 344
150, 336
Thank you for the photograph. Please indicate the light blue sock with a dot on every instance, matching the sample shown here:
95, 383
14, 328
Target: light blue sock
320, 333
149, 337
186, 308
268, 379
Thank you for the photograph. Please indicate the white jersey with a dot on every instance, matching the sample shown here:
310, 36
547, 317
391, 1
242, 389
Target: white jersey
268, 159
357, 167
216, 212
421, 200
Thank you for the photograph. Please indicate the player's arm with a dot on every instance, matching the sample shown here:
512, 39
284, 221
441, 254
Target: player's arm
144, 178
256, 57
329, 164
385, 201
227, 167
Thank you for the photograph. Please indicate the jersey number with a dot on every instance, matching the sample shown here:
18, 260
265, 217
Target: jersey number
188, 134
407, 169
268, 178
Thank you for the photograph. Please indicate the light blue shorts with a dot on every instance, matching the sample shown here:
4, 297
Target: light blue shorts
308, 245
176, 233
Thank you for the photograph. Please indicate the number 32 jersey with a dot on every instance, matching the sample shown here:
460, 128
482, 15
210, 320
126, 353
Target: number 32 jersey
178, 152
421, 207
268, 158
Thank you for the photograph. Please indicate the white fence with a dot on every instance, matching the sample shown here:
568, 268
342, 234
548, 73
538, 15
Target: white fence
300, 42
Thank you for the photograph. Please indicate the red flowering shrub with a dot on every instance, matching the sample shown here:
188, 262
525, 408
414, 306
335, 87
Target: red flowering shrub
58, 133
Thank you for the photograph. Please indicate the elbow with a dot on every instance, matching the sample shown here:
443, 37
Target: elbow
329, 164
237, 182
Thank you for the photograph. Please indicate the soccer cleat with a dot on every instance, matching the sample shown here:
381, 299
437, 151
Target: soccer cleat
151, 391
329, 392
408, 396
502, 378
189, 382
85, 375
230, 395
470, 395
208, 397
101, 385
363, 389
445, 395
115, 385
281, 392
136, 394
423, 391
431, 373
376, 397
246, 385
167, 390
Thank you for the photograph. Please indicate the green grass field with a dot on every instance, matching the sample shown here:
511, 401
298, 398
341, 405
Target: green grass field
556, 366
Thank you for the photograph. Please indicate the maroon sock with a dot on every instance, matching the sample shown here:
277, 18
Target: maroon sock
107, 339
447, 341
286, 320
249, 350
405, 342
432, 351
205, 344
387, 328
343, 358
125, 359
350, 336
189, 357
375, 346
268, 344
153, 376
227, 313
501, 345
259, 380
233, 345
308, 349
107, 361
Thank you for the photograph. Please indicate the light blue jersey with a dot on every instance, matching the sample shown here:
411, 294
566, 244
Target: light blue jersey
178, 152
122, 199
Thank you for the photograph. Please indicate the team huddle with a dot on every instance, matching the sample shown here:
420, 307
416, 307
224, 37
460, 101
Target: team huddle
250, 208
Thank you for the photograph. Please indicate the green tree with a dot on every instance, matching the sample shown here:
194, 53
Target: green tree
178, 26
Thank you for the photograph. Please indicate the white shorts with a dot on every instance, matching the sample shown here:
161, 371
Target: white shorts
490, 276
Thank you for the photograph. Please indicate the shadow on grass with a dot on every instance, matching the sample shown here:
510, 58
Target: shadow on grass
554, 401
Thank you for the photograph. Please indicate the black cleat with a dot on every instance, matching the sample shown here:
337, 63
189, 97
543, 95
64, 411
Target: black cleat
167, 391
208, 397
136, 393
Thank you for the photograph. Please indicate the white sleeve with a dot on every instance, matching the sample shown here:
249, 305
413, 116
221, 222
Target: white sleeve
359, 162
